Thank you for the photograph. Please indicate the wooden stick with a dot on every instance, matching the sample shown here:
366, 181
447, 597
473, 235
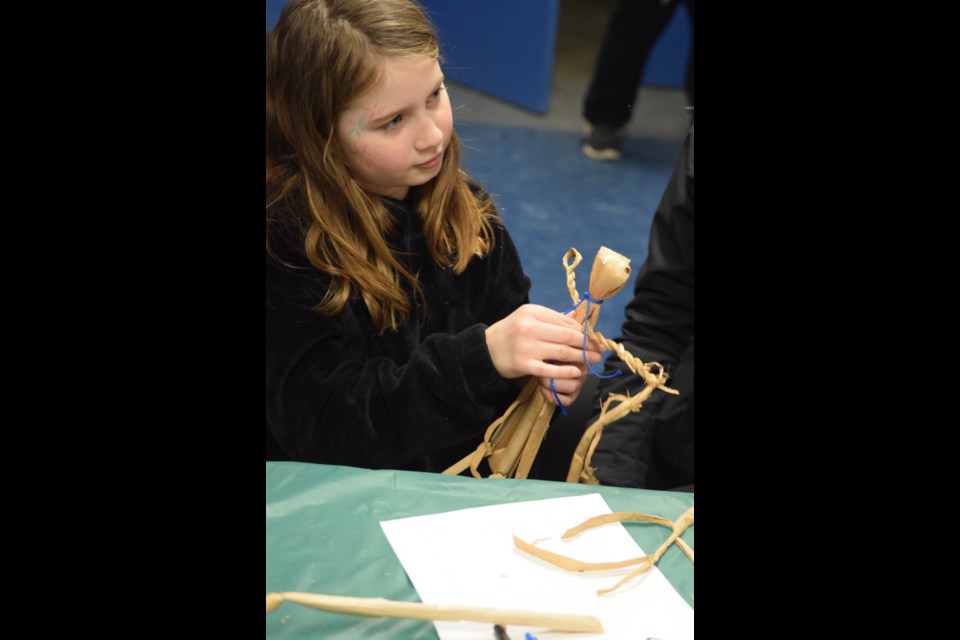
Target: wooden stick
420, 611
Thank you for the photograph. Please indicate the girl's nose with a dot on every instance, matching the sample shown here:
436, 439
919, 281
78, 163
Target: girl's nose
430, 135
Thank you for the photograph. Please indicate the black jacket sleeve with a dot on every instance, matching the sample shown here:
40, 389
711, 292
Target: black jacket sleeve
338, 393
655, 445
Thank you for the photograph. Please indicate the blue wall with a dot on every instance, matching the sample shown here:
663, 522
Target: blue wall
667, 64
501, 47
273, 12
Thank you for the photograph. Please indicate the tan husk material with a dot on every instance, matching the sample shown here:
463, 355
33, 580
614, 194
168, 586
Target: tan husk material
645, 562
654, 377
421, 611
512, 441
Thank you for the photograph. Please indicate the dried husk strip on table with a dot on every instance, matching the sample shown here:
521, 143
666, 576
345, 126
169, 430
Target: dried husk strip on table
646, 562
512, 441
382, 607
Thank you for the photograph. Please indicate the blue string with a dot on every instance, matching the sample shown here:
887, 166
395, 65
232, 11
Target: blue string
563, 409
586, 318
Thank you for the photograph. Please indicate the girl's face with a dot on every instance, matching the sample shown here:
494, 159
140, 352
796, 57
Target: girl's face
394, 136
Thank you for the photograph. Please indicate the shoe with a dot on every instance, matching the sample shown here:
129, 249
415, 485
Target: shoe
602, 142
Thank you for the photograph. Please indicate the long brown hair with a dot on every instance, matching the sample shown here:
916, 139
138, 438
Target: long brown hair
322, 55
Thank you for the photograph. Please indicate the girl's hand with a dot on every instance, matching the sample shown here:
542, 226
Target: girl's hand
567, 388
541, 342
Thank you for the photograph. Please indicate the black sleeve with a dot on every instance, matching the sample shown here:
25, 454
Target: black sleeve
658, 328
339, 394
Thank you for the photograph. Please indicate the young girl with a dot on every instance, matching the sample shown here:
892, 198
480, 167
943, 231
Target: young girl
397, 319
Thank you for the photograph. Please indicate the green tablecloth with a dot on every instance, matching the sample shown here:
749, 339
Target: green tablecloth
324, 536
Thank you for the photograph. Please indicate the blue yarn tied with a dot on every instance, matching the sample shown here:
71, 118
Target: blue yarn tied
586, 318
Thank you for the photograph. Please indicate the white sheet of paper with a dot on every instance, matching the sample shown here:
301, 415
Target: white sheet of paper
467, 557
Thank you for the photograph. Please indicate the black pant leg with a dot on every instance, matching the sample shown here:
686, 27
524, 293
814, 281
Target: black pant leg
633, 30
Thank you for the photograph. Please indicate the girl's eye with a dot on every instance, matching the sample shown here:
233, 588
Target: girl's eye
393, 123
436, 94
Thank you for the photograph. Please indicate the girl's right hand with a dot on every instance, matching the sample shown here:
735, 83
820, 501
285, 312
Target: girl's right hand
538, 341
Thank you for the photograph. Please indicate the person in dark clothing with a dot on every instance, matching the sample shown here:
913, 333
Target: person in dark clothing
633, 30
653, 448
398, 323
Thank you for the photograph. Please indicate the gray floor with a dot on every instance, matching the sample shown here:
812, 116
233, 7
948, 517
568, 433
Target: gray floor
660, 112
